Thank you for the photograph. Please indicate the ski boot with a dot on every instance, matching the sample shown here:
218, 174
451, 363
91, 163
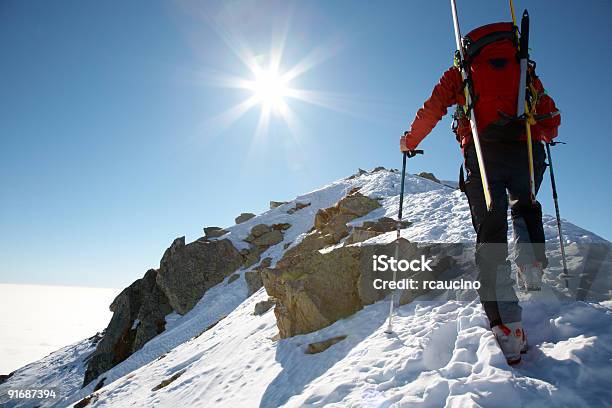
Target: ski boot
512, 341
530, 277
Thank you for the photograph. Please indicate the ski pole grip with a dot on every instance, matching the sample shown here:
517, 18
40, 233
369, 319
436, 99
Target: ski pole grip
412, 153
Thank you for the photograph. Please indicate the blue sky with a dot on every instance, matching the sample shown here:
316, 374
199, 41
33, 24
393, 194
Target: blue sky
110, 147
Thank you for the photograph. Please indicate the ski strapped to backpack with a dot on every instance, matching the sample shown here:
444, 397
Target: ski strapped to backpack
465, 75
522, 108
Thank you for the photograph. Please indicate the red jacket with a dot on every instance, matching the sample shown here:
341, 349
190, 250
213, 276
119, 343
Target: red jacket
449, 92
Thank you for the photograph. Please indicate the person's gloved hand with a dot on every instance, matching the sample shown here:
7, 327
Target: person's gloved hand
406, 144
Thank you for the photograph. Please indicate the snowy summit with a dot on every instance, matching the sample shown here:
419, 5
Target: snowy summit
278, 311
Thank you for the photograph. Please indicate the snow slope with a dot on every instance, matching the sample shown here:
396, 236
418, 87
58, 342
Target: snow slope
442, 354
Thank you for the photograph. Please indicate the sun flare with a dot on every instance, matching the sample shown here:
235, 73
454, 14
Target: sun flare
270, 89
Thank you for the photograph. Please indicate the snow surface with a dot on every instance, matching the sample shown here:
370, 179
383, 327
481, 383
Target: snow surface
442, 353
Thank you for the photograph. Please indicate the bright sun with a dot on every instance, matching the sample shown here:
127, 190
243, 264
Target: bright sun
270, 89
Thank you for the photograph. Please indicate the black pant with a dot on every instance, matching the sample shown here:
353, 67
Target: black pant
507, 169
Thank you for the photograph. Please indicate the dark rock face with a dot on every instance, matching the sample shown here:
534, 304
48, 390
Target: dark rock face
429, 176
253, 280
298, 207
139, 315
139, 311
187, 271
4, 377
214, 232
243, 217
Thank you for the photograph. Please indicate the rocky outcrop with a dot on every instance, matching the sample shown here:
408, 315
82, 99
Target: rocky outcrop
274, 204
138, 315
360, 172
139, 311
298, 206
315, 288
243, 217
4, 377
330, 223
371, 229
261, 238
253, 280
187, 271
263, 306
214, 232
429, 176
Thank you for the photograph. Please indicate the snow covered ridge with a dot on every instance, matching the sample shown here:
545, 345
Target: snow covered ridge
216, 352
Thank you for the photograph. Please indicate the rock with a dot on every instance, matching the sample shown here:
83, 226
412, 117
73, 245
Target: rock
282, 226
253, 280
314, 348
143, 302
371, 229
274, 204
86, 401
259, 230
214, 232
4, 377
298, 206
168, 381
266, 262
360, 235
314, 290
330, 223
187, 271
377, 169
429, 176
243, 217
140, 310
367, 293
357, 205
253, 256
263, 306
360, 172
268, 239
232, 278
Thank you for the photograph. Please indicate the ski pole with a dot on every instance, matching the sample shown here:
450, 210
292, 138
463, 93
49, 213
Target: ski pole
410, 153
565, 274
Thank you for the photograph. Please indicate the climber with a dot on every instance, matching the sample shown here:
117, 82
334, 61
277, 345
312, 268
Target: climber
494, 80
